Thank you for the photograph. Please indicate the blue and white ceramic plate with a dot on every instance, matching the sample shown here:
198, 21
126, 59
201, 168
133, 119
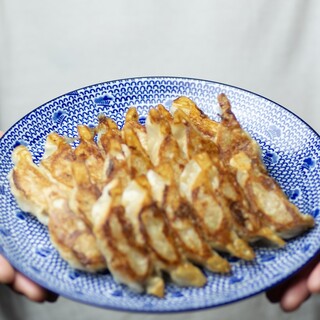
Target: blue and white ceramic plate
290, 150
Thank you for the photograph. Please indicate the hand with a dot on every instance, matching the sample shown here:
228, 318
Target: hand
21, 284
293, 292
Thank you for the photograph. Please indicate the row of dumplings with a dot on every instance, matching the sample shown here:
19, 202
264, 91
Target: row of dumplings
166, 197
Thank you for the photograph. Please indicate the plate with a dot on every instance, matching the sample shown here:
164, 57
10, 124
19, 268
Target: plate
290, 150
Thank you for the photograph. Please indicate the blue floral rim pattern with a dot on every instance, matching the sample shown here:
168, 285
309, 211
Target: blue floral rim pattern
290, 150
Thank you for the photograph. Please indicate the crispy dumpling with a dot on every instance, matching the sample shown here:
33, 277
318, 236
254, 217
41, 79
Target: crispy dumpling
89, 152
57, 160
134, 137
38, 195
68, 169
164, 198
27, 183
72, 236
179, 148
200, 120
242, 155
164, 180
72, 205
84, 193
116, 224
235, 147
128, 261
200, 184
144, 222
183, 221
135, 144
246, 222
160, 240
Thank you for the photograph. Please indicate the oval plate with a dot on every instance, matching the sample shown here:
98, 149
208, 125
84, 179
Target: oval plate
290, 150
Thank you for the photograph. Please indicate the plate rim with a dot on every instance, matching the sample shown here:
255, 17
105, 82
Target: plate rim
192, 309
161, 77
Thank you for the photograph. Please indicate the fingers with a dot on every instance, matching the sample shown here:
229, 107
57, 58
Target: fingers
295, 295
19, 282
31, 290
314, 280
293, 292
7, 273
23, 285
290, 294
1, 134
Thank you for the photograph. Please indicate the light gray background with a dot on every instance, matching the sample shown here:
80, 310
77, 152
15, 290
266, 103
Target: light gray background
48, 48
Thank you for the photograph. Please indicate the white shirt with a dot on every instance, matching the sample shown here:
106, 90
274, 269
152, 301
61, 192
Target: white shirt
48, 48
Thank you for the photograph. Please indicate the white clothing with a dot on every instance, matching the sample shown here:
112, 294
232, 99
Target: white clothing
48, 48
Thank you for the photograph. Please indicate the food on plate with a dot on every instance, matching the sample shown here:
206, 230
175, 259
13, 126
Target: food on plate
168, 197
242, 154
131, 229
36, 192
181, 211
200, 183
262, 208
27, 182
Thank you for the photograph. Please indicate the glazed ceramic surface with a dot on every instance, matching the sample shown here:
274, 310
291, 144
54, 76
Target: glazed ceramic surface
290, 150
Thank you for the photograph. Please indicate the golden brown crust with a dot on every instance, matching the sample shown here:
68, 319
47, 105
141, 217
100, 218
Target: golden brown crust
73, 238
89, 152
200, 120
181, 215
58, 163
164, 197
28, 183
242, 155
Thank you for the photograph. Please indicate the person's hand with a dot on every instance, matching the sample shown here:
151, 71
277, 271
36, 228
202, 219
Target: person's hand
21, 284
293, 292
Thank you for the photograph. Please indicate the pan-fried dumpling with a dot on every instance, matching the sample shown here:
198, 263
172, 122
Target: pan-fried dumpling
91, 154
179, 143
128, 261
158, 199
72, 236
200, 184
160, 240
183, 221
57, 160
68, 232
141, 224
242, 155
27, 183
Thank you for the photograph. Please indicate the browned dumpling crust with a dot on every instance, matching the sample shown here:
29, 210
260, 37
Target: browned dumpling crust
242, 155
36, 193
169, 197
